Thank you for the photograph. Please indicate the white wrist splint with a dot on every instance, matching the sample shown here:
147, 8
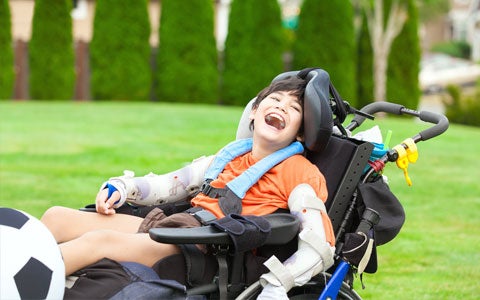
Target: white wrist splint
314, 253
153, 189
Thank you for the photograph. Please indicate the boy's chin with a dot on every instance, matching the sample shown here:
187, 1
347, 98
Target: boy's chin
275, 140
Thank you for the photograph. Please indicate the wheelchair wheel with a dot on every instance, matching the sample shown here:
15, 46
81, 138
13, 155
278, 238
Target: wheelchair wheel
311, 290
314, 292
314, 288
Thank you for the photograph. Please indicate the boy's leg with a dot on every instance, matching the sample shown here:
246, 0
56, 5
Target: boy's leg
119, 246
67, 224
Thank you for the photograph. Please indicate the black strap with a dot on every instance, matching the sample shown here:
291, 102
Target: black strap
195, 263
247, 232
227, 200
205, 217
230, 203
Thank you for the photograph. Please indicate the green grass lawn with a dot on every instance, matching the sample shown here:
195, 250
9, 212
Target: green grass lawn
60, 153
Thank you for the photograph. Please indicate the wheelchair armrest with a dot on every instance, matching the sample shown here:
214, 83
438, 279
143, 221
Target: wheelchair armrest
284, 227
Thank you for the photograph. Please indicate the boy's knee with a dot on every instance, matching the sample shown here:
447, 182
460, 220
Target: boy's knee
98, 237
54, 219
52, 216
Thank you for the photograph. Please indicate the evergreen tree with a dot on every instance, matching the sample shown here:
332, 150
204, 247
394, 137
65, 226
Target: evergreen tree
404, 62
326, 39
6, 53
51, 57
120, 51
187, 55
364, 66
253, 49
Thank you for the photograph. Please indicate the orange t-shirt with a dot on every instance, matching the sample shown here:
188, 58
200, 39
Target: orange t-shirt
272, 189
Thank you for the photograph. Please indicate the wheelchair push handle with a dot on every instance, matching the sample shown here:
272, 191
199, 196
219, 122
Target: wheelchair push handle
440, 121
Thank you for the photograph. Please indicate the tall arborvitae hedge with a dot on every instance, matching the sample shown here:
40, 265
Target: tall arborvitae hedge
364, 66
7, 75
326, 39
51, 58
186, 65
404, 62
253, 49
120, 51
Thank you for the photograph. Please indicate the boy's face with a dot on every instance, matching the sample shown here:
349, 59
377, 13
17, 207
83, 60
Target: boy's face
277, 119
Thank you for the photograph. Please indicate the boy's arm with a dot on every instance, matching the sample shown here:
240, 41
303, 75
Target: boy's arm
153, 189
315, 252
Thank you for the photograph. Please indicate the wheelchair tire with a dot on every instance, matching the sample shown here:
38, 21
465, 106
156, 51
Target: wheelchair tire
314, 288
311, 290
345, 293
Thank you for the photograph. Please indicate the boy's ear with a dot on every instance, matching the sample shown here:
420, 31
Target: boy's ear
251, 116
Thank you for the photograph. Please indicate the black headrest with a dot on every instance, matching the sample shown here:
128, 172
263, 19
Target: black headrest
317, 114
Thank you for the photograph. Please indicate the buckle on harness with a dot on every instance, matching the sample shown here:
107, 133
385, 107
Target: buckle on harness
206, 188
203, 216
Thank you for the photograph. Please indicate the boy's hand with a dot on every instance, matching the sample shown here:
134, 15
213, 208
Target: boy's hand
103, 204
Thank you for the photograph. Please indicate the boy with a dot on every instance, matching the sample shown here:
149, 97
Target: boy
276, 120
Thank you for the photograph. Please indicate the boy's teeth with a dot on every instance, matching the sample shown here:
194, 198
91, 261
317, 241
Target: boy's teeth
275, 121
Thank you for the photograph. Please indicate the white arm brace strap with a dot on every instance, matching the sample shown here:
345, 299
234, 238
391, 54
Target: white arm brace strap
314, 253
153, 189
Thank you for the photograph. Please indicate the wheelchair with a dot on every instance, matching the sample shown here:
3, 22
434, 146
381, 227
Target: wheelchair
359, 204
358, 198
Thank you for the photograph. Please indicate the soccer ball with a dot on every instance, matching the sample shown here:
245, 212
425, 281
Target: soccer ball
31, 265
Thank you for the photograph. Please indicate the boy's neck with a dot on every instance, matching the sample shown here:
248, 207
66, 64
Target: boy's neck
260, 151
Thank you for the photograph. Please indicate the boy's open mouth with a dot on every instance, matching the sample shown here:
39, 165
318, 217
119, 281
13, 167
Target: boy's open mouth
275, 120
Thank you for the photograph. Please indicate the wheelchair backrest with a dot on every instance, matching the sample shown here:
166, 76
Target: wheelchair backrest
342, 163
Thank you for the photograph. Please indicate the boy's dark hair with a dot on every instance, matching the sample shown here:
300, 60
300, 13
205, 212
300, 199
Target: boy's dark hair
292, 84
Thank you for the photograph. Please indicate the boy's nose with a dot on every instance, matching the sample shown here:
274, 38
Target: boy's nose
281, 106
282, 109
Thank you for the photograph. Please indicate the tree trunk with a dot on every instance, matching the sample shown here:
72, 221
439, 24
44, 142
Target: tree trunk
382, 38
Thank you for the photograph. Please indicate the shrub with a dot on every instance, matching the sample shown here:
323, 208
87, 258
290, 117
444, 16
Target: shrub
6, 53
120, 51
326, 39
186, 66
51, 57
463, 109
403, 85
459, 49
253, 49
364, 66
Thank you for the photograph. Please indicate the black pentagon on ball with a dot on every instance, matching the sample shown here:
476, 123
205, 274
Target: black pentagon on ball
12, 218
33, 280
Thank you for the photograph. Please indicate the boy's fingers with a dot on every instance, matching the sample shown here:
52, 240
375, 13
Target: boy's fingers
113, 198
104, 205
100, 201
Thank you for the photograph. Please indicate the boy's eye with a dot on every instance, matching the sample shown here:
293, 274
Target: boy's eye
275, 98
296, 106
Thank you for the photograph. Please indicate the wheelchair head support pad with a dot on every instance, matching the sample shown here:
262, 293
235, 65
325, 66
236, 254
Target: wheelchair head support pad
317, 114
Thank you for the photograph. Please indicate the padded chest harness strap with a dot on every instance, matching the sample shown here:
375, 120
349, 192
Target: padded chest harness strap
230, 197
